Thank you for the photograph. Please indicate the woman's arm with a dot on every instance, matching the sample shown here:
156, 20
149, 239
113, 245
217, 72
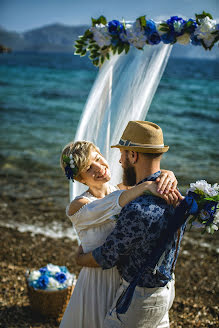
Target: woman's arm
173, 197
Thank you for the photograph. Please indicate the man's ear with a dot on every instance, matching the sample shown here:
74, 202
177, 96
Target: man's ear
134, 157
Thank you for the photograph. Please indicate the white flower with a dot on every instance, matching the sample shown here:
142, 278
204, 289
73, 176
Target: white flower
204, 30
134, 35
214, 226
71, 157
34, 275
72, 166
178, 26
71, 161
183, 39
53, 284
203, 186
101, 35
208, 229
216, 217
53, 268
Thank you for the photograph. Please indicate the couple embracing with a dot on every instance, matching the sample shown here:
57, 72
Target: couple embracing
119, 228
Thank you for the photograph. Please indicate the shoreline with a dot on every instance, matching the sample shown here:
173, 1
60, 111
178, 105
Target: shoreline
195, 303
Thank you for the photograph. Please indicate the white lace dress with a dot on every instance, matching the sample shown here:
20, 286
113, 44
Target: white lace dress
95, 288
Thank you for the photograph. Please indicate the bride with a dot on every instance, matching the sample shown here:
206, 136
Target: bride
93, 214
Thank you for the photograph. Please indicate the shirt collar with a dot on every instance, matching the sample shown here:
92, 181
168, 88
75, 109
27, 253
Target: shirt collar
151, 177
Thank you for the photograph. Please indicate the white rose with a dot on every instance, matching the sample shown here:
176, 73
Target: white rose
34, 275
214, 226
101, 35
53, 268
207, 25
216, 218
53, 284
183, 39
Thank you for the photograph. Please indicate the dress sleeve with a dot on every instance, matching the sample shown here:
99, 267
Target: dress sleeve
98, 211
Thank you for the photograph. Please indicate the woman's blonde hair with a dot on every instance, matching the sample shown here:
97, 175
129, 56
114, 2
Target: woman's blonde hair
80, 151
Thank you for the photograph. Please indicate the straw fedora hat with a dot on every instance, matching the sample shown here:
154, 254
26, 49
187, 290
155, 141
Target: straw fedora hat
142, 137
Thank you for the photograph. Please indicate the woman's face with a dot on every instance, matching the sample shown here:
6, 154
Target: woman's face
97, 171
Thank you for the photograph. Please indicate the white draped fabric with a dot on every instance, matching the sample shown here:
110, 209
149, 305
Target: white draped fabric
122, 91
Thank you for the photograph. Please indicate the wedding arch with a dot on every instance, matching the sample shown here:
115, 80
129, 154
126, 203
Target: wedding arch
132, 57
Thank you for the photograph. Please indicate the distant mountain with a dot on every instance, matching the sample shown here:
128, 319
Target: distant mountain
60, 38
50, 38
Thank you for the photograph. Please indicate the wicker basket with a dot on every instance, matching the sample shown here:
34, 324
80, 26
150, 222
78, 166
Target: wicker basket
51, 304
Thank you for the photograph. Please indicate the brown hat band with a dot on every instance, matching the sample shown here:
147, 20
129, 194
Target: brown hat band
128, 143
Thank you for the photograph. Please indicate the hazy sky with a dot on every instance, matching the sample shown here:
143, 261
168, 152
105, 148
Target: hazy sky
22, 15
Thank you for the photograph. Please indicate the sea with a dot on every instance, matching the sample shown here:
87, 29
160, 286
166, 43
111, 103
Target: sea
41, 100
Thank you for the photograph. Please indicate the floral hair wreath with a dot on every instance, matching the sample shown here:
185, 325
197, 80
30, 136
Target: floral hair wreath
71, 170
116, 37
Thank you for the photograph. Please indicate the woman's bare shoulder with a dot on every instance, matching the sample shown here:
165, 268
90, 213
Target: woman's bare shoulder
76, 204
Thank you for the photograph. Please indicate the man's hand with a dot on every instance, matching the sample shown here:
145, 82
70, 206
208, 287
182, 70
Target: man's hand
172, 197
86, 260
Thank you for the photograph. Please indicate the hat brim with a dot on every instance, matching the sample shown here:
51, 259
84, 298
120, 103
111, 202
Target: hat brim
143, 149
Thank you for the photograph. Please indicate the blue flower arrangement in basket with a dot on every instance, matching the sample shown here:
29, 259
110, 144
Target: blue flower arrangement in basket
51, 277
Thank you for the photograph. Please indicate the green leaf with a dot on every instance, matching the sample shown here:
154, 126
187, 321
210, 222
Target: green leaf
164, 29
78, 46
164, 25
120, 48
83, 52
108, 55
79, 42
100, 20
127, 47
142, 21
66, 159
102, 59
78, 52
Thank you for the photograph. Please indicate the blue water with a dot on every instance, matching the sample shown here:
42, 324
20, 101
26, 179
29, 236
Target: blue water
42, 97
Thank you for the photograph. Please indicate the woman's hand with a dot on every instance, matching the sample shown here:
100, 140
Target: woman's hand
173, 197
166, 182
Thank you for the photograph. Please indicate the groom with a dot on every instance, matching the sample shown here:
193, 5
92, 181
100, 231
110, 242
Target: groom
137, 233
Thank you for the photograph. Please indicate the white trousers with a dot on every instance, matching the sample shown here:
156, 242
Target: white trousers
148, 309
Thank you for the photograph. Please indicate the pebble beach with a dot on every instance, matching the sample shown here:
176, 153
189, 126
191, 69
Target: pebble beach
196, 301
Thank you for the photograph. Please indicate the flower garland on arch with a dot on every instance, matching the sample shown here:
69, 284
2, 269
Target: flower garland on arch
114, 37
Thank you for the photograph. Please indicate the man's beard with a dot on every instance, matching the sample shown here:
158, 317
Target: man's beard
129, 175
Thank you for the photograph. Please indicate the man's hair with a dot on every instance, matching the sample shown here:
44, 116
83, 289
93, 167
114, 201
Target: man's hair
152, 155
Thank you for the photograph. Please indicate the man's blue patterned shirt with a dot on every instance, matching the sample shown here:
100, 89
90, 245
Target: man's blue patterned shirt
136, 233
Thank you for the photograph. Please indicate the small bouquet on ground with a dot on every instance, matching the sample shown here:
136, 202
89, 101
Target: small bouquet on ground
206, 213
50, 289
51, 277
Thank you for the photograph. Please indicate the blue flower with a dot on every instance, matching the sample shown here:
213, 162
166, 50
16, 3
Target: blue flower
193, 26
43, 270
60, 277
42, 282
150, 27
63, 269
176, 25
69, 172
168, 38
154, 38
194, 40
115, 27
